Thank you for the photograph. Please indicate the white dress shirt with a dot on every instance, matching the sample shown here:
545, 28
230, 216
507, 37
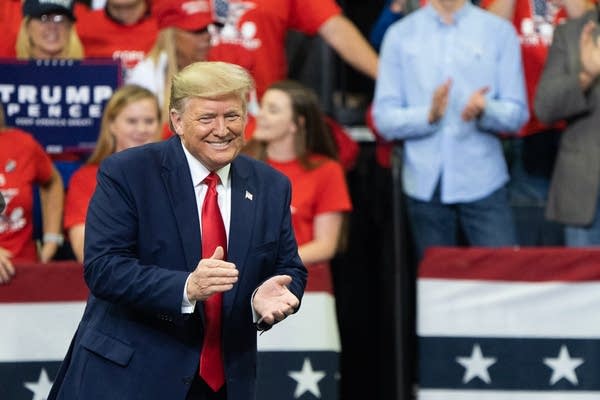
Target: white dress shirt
199, 172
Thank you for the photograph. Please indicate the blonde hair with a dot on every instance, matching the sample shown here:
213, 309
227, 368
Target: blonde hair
209, 80
120, 99
165, 43
72, 51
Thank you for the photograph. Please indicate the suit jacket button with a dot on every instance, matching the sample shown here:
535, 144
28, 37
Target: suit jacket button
187, 380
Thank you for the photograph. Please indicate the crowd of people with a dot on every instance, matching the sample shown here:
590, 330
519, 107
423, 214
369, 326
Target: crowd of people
166, 36
493, 105
169, 38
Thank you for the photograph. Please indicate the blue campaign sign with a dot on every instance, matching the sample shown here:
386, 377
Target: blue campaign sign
59, 101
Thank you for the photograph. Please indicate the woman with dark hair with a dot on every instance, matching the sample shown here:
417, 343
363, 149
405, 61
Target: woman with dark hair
292, 136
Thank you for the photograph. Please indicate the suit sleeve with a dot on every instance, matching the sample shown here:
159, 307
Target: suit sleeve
559, 95
288, 260
112, 268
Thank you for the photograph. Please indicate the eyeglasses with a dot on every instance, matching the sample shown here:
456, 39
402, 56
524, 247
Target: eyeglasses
56, 19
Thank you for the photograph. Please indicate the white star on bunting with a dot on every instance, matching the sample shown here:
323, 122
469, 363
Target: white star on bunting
563, 366
307, 380
41, 388
476, 366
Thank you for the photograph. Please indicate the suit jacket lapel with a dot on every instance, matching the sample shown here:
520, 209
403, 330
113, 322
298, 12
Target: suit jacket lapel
243, 200
180, 190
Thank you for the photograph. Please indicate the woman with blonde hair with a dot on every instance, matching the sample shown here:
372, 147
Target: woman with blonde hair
48, 31
131, 118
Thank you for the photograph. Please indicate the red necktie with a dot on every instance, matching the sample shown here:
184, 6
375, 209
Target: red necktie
213, 235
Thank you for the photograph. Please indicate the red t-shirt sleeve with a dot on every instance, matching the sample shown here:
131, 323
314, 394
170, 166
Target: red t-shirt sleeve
307, 16
42, 162
334, 195
79, 193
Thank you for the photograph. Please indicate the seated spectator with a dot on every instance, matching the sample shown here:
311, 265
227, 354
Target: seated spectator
131, 118
292, 136
25, 165
47, 31
102, 31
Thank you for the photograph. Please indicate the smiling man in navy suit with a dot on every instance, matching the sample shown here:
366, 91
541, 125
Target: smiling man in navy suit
142, 334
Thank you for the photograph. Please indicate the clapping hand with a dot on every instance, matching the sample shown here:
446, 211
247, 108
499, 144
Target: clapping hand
589, 55
212, 275
273, 301
439, 101
476, 104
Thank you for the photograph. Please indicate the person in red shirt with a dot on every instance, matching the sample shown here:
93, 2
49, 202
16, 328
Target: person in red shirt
131, 118
24, 164
292, 136
123, 30
259, 28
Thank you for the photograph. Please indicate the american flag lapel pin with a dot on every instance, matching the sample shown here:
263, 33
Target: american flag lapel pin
248, 195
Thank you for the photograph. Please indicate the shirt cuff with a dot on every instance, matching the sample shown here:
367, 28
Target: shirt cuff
187, 306
256, 318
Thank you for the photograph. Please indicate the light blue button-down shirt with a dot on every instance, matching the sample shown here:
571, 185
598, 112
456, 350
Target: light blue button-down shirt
418, 54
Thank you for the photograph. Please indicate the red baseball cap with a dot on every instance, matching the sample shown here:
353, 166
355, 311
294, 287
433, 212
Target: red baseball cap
189, 15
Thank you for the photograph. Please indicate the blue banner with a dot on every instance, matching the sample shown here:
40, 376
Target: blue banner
60, 102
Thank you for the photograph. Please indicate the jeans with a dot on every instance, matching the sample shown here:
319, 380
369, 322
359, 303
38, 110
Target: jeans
486, 222
531, 160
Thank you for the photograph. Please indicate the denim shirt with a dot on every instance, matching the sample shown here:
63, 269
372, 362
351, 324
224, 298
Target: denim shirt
419, 53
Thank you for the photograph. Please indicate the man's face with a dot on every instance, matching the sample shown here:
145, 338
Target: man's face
191, 46
127, 12
212, 130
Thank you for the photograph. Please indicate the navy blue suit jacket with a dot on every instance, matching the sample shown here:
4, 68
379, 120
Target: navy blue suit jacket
142, 239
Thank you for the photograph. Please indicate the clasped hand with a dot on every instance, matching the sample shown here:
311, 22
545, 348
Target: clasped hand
212, 275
